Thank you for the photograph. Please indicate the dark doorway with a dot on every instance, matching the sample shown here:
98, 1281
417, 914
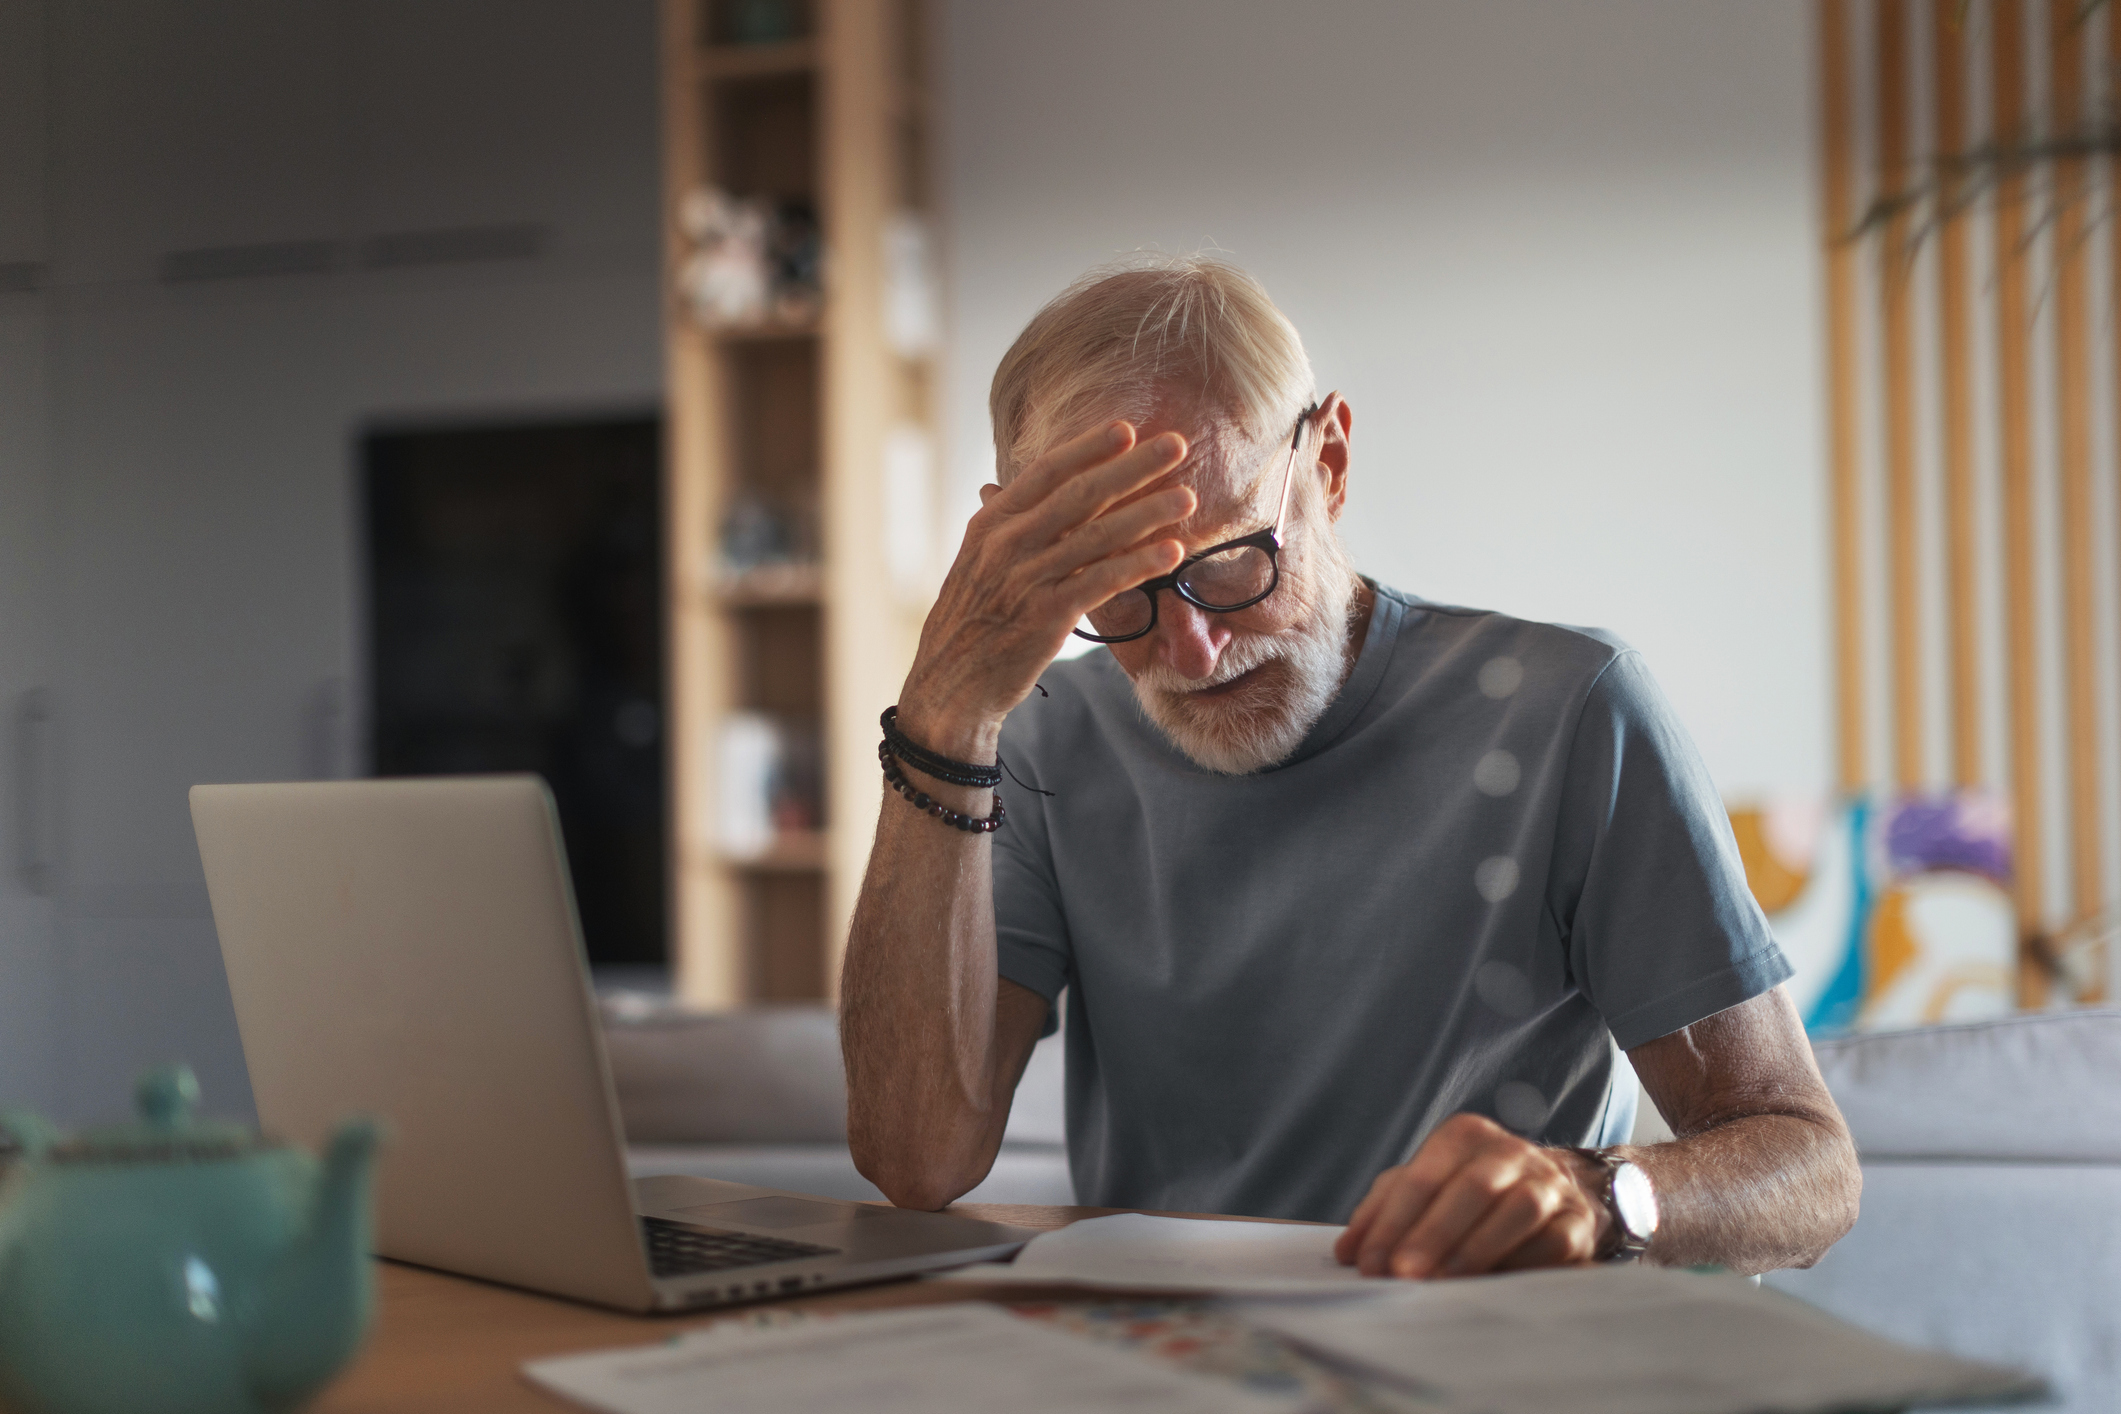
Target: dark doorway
516, 624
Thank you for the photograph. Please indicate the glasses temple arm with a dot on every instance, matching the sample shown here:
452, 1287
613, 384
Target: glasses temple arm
1288, 476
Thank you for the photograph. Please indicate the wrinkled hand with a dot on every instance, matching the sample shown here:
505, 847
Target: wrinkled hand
1475, 1198
1065, 535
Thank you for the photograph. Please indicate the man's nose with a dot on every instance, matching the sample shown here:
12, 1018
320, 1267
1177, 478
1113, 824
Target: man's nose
1188, 641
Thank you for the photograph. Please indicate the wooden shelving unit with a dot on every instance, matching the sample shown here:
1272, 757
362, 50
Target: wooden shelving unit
798, 414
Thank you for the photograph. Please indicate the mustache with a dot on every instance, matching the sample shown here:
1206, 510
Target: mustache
1240, 656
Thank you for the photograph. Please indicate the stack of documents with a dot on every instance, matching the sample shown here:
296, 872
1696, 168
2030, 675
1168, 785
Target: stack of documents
1608, 1340
924, 1361
1628, 1340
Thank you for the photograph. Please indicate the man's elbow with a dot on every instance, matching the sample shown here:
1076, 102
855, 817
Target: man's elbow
1838, 1195
911, 1178
1848, 1188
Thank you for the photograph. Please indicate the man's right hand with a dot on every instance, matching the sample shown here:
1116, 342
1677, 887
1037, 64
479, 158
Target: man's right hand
1065, 535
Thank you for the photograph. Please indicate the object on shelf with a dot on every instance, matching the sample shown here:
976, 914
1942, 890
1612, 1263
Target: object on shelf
728, 277
751, 261
772, 783
755, 533
761, 21
798, 256
767, 550
912, 300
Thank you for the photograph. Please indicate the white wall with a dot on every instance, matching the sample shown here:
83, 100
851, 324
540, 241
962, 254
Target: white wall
1559, 256
186, 453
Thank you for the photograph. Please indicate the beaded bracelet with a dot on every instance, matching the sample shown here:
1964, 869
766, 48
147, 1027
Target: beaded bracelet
922, 801
957, 773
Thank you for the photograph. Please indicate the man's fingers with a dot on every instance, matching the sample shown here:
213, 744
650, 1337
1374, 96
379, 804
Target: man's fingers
1453, 1213
1094, 584
1034, 482
1508, 1223
1569, 1239
1414, 1186
988, 492
1115, 530
1349, 1243
1090, 493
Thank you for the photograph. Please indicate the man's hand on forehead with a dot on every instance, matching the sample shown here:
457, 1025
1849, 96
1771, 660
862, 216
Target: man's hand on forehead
1091, 518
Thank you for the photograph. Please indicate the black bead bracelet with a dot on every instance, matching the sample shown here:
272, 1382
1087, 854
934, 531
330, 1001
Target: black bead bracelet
920, 758
922, 801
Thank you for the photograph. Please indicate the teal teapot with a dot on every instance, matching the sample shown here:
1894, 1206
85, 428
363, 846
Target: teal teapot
179, 1265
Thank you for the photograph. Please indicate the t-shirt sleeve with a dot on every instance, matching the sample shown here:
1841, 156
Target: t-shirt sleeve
1030, 929
1646, 885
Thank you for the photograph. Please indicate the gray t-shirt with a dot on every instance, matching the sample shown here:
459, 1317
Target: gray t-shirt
1495, 855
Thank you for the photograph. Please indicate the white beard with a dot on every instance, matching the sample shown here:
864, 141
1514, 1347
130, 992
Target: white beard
1261, 723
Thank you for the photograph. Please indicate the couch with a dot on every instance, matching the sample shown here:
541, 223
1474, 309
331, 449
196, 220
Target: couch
1991, 1222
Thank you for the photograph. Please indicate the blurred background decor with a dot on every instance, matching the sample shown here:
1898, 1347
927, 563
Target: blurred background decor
1894, 909
1975, 400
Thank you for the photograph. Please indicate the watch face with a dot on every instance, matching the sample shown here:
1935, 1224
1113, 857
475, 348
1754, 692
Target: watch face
1634, 1201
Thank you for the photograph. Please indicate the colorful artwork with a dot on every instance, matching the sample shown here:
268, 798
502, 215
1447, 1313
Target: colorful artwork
1895, 910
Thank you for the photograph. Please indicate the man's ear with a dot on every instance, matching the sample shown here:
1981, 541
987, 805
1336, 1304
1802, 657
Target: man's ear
1336, 424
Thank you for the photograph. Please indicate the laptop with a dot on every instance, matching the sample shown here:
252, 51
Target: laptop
410, 949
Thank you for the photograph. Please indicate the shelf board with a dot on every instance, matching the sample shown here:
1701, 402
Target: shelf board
794, 853
756, 61
765, 331
772, 586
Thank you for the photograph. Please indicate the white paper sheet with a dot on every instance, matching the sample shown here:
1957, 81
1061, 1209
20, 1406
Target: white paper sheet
1628, 1340
930, 1360
1133, 1251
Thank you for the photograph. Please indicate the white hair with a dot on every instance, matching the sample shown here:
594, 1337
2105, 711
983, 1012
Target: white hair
1125, 337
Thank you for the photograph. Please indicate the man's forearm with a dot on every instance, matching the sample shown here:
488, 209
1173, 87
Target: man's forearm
1754, 1194
917, 1008
1763, 1174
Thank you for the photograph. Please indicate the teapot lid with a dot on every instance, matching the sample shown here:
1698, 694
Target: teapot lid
166, 1132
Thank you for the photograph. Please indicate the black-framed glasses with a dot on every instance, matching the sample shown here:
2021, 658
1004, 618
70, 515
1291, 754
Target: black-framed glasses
1220, 579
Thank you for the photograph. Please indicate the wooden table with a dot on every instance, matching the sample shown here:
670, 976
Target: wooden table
444, 1342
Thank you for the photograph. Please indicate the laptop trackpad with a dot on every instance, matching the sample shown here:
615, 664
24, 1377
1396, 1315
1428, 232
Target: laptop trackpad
773, 1212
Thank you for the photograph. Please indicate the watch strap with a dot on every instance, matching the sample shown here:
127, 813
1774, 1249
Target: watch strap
1622, 1243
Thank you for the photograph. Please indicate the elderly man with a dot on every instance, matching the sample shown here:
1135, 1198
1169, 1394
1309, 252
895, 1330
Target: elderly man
1353, 896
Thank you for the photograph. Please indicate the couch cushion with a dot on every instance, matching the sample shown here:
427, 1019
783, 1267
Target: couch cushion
2014, 1262
2032, 1087
770, 1075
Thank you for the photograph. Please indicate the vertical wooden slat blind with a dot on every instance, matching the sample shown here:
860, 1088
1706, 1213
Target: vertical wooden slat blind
1897, 321
1843, 400
1955, 336
2073, 416
2016, 403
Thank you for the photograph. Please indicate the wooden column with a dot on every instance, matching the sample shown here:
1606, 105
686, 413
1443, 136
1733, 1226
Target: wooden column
2074, 442
866, 655
2014, 411
1896, 323
1948, 53
1845, 463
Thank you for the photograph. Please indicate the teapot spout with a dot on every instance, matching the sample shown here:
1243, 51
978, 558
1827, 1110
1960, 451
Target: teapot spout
321, 1293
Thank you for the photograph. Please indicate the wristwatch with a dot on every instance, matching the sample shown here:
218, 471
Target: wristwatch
1632, 1201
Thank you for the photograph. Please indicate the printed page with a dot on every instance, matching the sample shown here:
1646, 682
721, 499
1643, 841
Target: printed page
1628, 1340
931, 1360
1138, 1252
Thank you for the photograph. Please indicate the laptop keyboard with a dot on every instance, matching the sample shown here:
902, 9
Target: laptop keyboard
680, 1249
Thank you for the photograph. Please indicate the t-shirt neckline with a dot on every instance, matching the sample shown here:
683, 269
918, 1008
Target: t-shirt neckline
1387, 612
